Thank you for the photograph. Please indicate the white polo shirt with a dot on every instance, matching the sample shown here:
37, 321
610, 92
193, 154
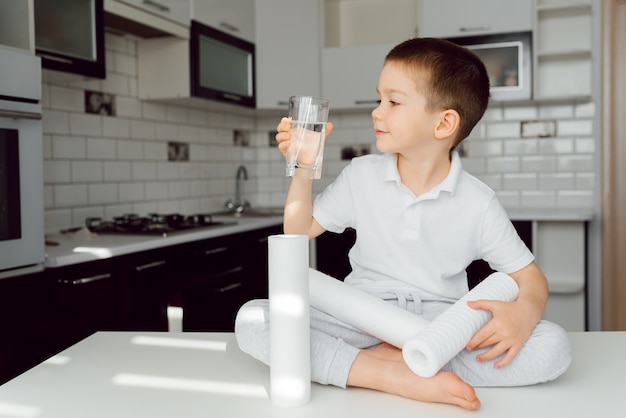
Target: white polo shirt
425, 242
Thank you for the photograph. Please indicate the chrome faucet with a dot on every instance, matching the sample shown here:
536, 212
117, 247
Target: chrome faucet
238, 205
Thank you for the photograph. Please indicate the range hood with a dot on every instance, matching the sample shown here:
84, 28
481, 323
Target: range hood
125, 19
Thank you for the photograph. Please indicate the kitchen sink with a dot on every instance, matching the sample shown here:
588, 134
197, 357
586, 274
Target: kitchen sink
255, 212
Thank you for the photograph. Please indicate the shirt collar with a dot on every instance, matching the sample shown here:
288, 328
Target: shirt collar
449, 184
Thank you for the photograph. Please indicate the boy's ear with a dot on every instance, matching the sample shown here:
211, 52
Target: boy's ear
448, 124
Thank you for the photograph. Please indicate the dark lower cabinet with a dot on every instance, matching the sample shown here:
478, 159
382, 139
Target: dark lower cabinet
25, 306
85, 300
217, 276
144, 290
44, 313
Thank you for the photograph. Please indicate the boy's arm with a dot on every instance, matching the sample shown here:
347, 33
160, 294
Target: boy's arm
512, 322
298, 216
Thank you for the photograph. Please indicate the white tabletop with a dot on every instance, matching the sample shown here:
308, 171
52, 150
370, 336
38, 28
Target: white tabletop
133, 374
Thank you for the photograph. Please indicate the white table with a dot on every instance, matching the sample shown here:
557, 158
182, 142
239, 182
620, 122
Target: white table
134, 374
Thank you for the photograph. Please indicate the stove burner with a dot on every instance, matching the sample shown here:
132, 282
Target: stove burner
153, 224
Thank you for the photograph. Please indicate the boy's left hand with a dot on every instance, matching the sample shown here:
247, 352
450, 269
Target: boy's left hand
507, 331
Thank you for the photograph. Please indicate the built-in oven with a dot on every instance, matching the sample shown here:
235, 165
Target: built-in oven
21, 163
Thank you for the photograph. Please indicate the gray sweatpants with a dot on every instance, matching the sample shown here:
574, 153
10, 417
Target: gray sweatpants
335, 345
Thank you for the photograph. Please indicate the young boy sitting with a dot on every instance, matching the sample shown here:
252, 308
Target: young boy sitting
420, 221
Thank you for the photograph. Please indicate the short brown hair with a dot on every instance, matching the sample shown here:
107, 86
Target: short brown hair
455, 78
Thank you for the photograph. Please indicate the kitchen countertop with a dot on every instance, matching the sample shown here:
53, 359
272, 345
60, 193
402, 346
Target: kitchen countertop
148, 374
84, 246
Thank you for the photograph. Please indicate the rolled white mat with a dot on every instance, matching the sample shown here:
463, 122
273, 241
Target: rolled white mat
290, 354
362, 310
449, 333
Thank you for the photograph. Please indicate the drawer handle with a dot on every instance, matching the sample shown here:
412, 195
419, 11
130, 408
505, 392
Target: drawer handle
365, 102
474, 28
229, 26
228, 288
215, 250
156, 5
85, 280
150, 265
16, 114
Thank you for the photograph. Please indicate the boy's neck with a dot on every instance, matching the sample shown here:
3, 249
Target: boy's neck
422, 174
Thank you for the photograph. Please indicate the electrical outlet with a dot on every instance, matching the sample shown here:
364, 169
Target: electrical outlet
538, 129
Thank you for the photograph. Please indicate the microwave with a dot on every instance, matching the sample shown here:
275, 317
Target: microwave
222, 66
508, 60
22, 233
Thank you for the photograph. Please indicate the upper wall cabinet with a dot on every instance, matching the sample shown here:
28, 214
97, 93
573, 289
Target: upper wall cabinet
69, 36
453, 18
149, 18
562, 50
17, 25
235, 17
288, 44
357, 37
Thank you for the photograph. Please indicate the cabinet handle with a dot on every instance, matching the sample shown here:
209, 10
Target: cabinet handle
365, 102
474, 28
150, 265
282, 103
85, 280
229, 26
16, 114
229, 287
156, 5
215, 250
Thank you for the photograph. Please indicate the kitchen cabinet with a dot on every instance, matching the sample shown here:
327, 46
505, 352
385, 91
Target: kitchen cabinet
25, 306
450, 18
235, 17
356, 40
149, 18
69, 36
143, 281
215, 277
85, 299
562, 50
288, 45
350, 75
17, 25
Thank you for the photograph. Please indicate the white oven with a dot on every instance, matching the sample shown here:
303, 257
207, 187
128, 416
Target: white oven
21, 163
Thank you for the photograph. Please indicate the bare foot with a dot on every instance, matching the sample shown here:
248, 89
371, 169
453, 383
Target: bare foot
395, 377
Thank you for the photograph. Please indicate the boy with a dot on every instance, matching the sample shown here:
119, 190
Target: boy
420, 221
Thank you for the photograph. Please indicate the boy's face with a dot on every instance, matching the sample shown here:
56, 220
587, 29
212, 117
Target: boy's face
402, 122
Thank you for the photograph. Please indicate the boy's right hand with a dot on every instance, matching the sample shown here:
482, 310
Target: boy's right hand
283, 136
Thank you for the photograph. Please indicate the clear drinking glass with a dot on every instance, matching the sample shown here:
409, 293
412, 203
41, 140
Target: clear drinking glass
308, 131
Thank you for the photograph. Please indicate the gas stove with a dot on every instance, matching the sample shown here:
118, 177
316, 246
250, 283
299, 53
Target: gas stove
152, 224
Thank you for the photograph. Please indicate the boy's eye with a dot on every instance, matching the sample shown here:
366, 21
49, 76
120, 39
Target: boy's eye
393, 103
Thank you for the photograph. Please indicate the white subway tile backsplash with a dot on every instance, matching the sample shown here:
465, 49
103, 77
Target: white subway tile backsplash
579, 163
556, 181
585, 110
556, 111
131, 192
102, 193
101, 149
579, 127
124, 64
129, 150
503, 130
520, 113
70, 195
585, 181
142, 129
55, 122
87, 171
143, 170
69, 147
525, 146
57, 172
575, 199
538, 163
115, 127
156, 191
519, 181
82, 124
64, 98
538, 199
556, 146
117, 171
509, 164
